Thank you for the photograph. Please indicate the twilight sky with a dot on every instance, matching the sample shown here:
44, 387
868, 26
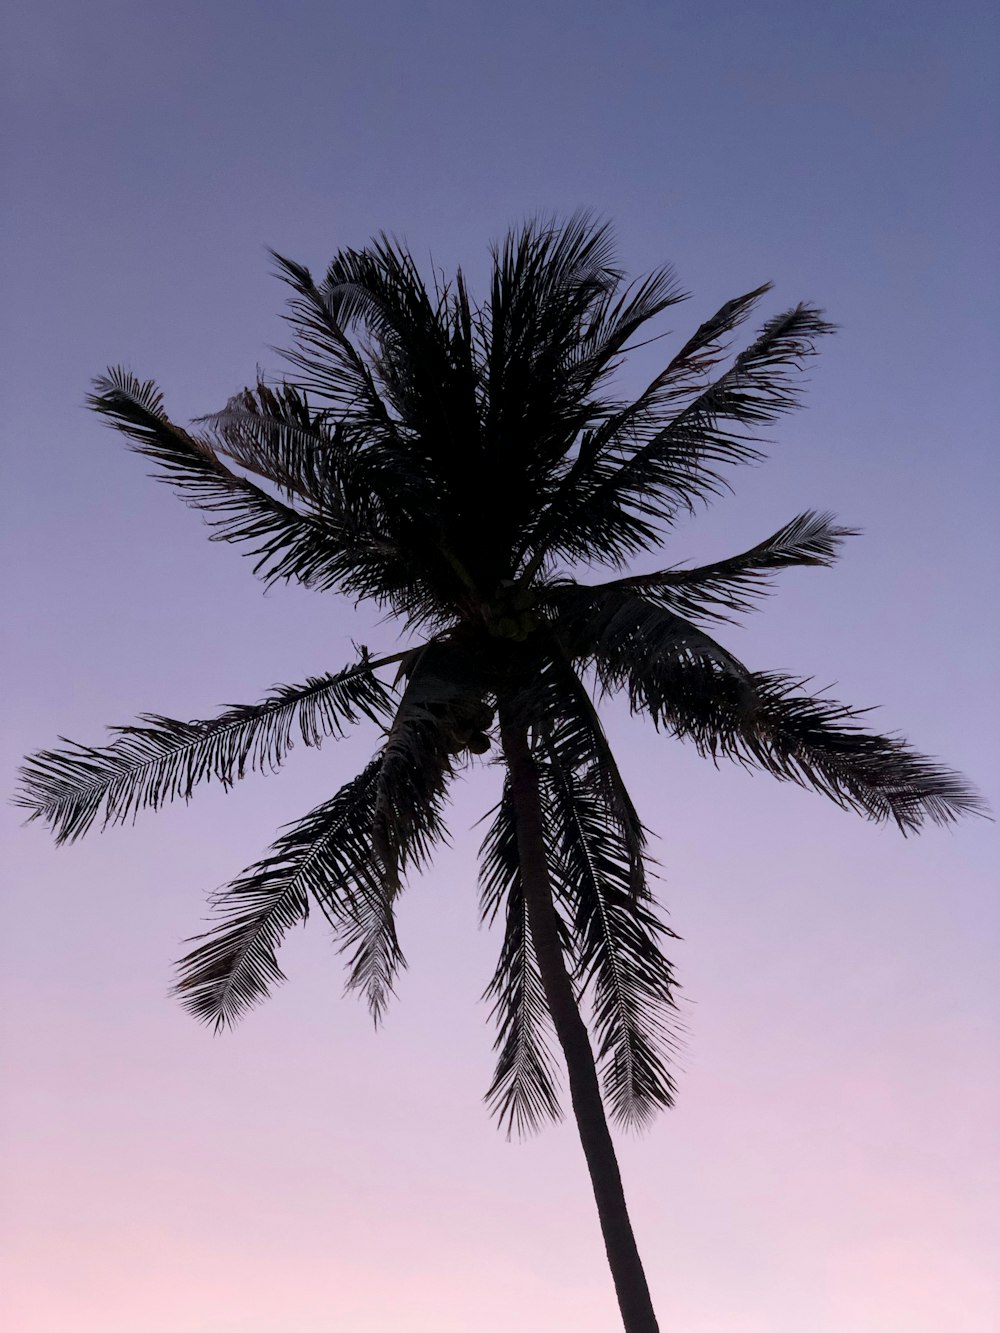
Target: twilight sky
832, 1164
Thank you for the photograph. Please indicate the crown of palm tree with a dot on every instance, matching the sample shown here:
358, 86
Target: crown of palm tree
455, 463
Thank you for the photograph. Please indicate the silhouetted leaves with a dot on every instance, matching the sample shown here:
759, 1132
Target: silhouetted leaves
164, 759
328, 859
524, 1091
451, 462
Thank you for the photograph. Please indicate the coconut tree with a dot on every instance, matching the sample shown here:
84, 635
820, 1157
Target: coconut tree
466, 467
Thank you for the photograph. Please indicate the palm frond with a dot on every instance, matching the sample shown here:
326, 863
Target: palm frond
405, 823
418, 406
624, 635
618, 317
694, 688
273, 433
595, 846
720, 590
548, 333
420, 754
667, 457
164, 759
702, 352
367, 931
328, 361
563, 718
288, 544
593, 461
415, 415
421, 352
524, 1091
756, 389
616, 940
326, 857
772, 722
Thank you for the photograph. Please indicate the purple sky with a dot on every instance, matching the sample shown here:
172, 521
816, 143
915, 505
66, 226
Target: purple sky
832, 1163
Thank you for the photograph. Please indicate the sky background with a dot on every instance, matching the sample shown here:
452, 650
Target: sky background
832, 1164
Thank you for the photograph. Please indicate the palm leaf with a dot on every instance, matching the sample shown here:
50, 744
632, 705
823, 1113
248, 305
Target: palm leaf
327, 358
274, 434
415, 412
615, 939
417, 763
164, 759
594, 461
327, 857
663, 458
524, 1091
624, 635
289, 544
563, 717
414, 401
772, 723
756, 389
548, 335
717, 591
695, 689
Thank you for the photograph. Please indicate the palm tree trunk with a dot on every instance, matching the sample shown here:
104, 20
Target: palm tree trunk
588, 1107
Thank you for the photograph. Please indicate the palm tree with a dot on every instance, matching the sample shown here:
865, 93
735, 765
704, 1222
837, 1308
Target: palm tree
458, 464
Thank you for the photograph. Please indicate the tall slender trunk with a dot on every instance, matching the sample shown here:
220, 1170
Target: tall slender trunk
588, 1107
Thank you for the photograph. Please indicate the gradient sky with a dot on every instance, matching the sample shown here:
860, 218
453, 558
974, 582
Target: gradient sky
832, 1163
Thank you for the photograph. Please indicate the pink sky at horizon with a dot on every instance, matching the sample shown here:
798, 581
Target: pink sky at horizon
832, 1165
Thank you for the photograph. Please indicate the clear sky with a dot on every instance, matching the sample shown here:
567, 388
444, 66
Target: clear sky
832, 1164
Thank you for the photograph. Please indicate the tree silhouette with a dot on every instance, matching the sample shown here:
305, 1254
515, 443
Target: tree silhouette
463, 466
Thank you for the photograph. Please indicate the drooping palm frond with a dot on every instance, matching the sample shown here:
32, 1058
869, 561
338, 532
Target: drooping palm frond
164, 759
818, 743
770, 721
273, 433
367, 931
565, 722
417, 764
288, 544
726, 587
622, 634
692, 687
596, 856
615, 939
328, 858
524, 1091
